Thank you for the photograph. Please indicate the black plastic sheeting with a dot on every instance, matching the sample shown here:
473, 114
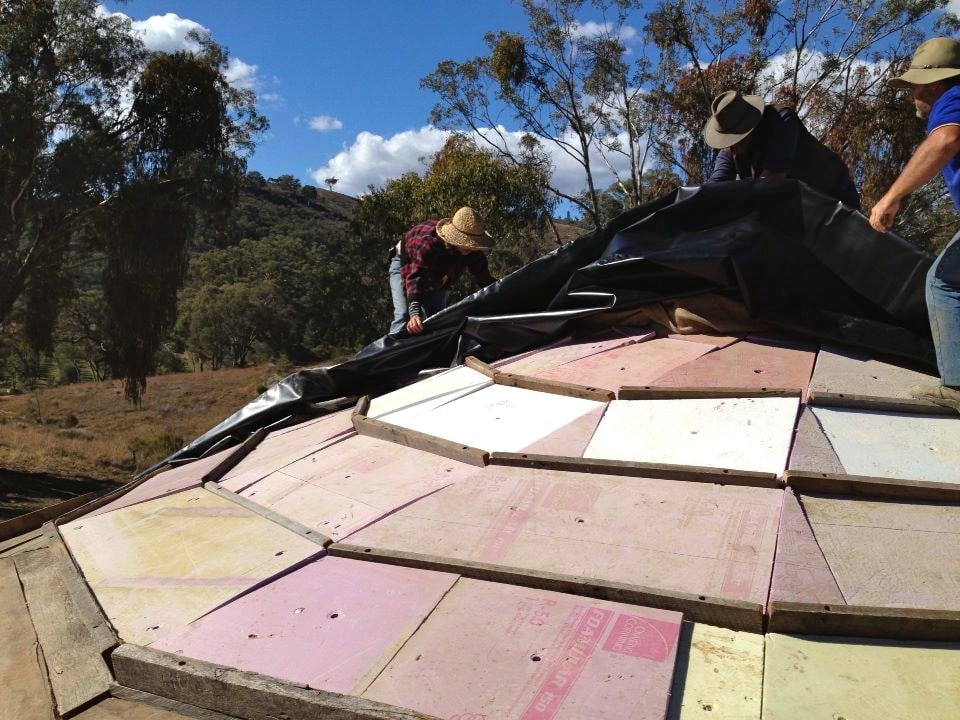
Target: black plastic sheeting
799, 260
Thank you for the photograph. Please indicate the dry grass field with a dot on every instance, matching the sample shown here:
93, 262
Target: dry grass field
89, 431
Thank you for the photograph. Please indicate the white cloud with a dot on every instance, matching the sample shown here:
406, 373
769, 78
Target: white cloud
323, 123
241, 74
594, 29
373, 159
168, 33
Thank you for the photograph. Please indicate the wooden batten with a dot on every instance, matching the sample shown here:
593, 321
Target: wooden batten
896, 623
873, 487
626, 468
879, 404
292, 525
360, 409
234, 458
34, 520
481, 367
729, 613
240, 694
374, 428
651, 392
555, 387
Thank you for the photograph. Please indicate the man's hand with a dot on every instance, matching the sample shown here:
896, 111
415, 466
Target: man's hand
414, 325
884, 212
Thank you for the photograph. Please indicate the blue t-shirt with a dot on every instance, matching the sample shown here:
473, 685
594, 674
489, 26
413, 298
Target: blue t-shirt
946, 111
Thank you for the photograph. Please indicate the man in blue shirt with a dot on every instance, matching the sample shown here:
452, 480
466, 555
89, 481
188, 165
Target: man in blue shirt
762, 141
934, 83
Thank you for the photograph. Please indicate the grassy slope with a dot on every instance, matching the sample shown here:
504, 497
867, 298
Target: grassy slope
108, 430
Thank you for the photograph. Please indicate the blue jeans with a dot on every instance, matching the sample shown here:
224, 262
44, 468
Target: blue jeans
943, 305
431, 304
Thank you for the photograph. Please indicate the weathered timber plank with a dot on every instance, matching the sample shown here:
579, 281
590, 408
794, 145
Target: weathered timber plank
292, 525
650, 392
875, 487
179, 709
629, 468
360, 409
555, 387
234, 458
113, 708
33, 520
874, 402
480, 366
77, 672
21, 543
896, 623
245, 695
420, 441
24, 692
734, 614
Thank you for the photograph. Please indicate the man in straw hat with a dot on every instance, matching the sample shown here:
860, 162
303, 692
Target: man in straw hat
933, 80
429, 259
760, 141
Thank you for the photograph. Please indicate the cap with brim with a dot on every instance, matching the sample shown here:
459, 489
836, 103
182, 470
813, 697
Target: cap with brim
936, 59
732, 117
464, 230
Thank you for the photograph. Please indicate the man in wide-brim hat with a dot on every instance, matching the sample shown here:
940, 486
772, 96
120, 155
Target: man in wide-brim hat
429, 258
933, 80
761, 141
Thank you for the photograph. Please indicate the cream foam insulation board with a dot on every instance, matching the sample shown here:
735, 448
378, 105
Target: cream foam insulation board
425, 395
282, 447
158, 565
894, 445
506, 652
840, 371
890, 554
737, 433
690, 537
719, 674
500, 418
807, 678
333, 624
347, 486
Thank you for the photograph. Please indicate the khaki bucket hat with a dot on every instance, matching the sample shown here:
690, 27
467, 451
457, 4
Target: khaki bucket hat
732, 117
465, 230
936, 59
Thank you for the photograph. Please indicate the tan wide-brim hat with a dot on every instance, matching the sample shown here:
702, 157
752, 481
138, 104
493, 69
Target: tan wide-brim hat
464, 230
936, 59
732, 117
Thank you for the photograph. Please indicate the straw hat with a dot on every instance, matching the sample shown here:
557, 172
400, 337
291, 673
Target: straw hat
732, 117
936, 59
465, 230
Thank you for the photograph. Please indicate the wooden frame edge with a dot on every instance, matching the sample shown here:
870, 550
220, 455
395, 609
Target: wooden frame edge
28, 522
237, 693
553, 387
729, 613
894, 623
140, 697
625, 468
855, 401
372, 427
652, 392
308, 533
872, 487
481, 367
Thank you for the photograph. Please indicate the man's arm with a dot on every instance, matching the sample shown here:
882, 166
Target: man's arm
929, 159
723, 167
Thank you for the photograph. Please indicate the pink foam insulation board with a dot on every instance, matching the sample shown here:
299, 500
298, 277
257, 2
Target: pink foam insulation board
812, 451
283, 447
335, 423
717, 341
332, 625
349, 485
890, 554
511, 653
500, 417
841, 371
737, 433
547, 358
636, 364
690, 537
744, 364
800, 572
425, 395
158, 565
182, 477
570, 440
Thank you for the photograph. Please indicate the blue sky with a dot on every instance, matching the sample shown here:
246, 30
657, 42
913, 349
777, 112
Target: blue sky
356, 63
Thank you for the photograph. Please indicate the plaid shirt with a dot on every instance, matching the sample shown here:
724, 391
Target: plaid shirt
428, 265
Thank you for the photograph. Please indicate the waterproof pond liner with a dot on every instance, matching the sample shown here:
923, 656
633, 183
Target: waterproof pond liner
798, 260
